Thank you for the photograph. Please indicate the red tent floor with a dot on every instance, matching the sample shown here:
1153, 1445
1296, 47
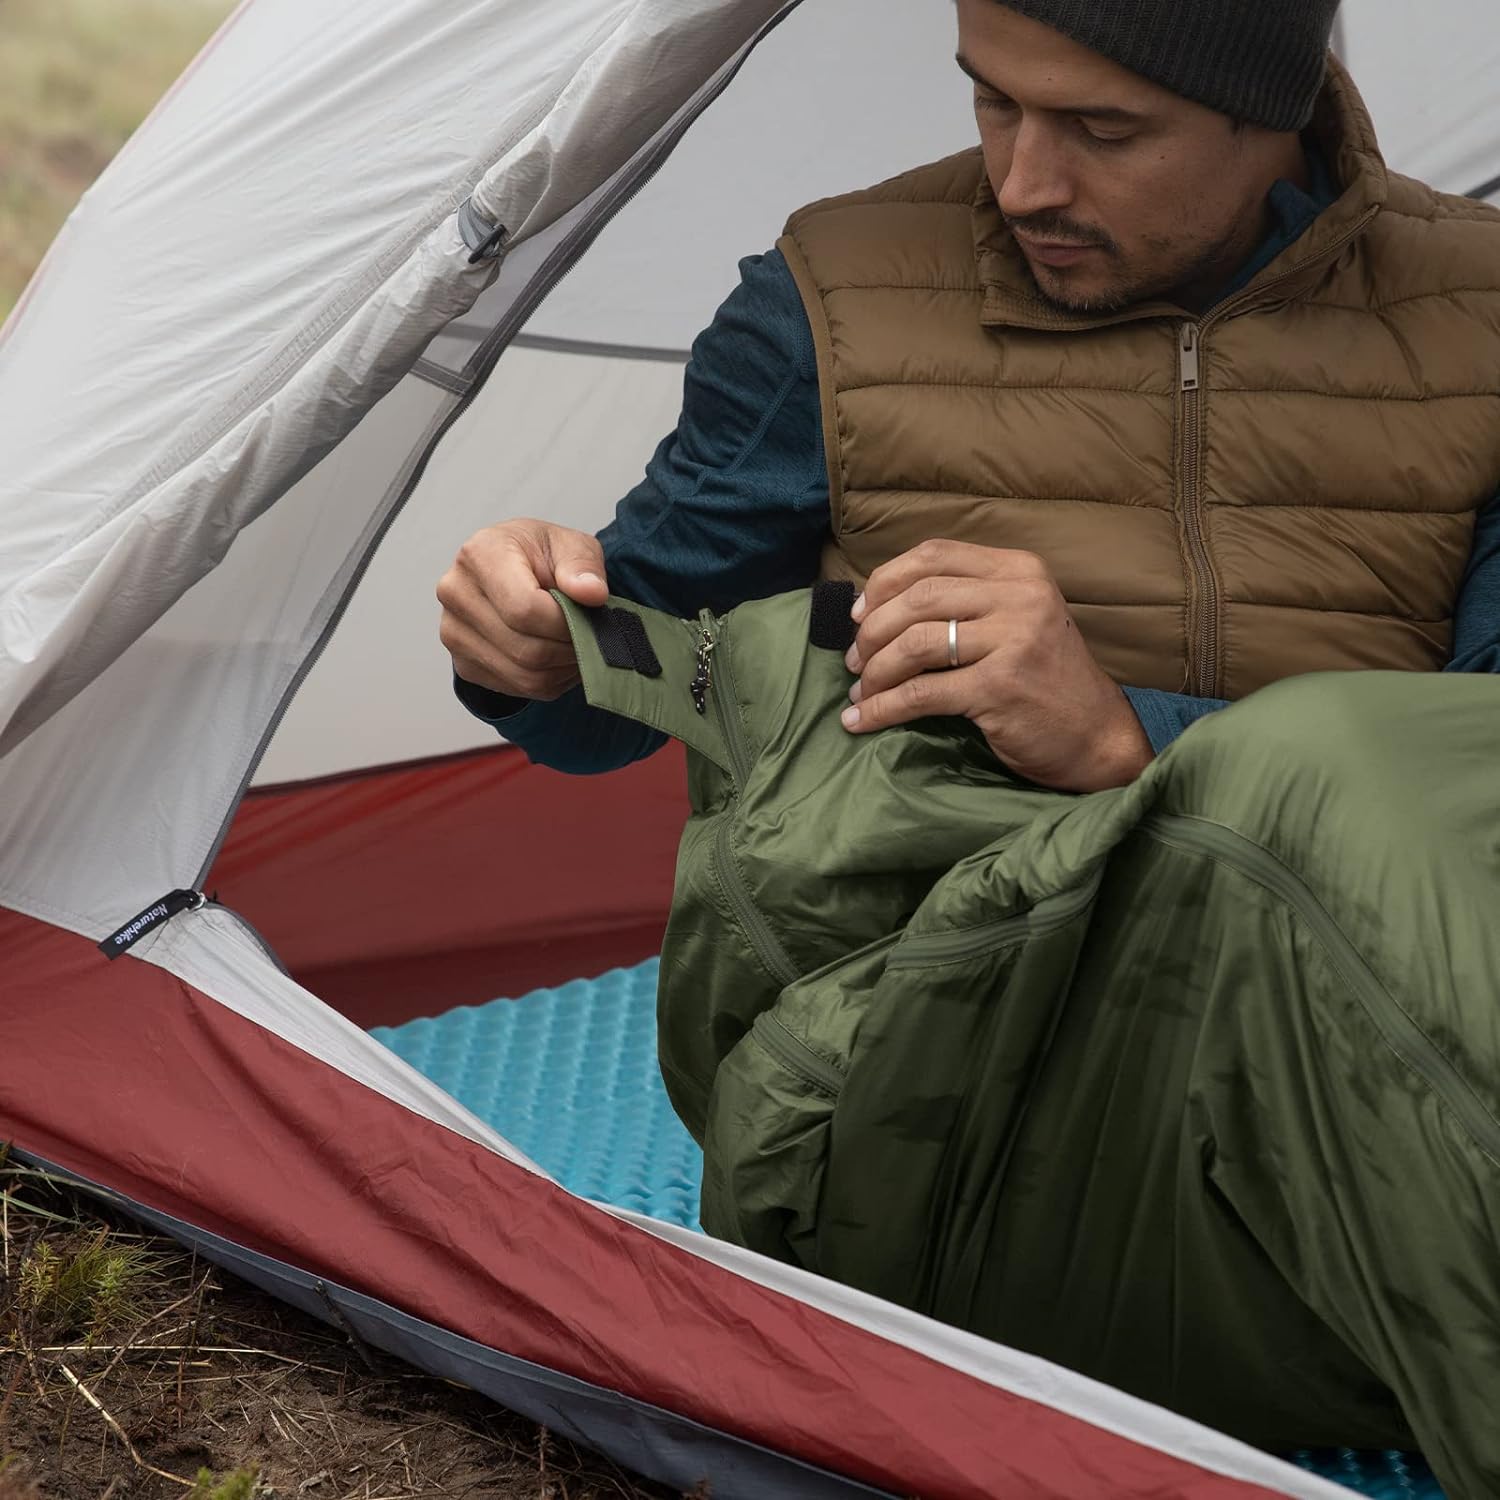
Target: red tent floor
405, 890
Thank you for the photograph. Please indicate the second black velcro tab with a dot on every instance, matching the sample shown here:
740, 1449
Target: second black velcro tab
830, 626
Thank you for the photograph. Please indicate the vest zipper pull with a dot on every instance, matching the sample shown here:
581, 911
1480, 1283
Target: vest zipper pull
1189, 352
150, 919
703, 676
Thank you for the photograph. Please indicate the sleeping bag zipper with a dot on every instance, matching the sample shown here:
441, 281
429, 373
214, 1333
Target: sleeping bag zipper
714, 679
795, 1055
1402, 1034
923, 950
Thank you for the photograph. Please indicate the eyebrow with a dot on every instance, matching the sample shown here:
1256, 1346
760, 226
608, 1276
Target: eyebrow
1109, 113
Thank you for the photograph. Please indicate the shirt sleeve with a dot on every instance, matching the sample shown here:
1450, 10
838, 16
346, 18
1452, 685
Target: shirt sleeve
1476, 639
1476, 619
733, 506
1165, 715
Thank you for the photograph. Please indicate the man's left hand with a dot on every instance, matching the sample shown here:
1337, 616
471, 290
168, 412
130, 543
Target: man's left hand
1025, 676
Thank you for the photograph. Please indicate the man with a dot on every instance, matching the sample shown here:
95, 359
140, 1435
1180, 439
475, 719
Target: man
1170, 391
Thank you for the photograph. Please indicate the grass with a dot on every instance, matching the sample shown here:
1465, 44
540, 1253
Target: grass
76, 78
240, 1485
86, 1290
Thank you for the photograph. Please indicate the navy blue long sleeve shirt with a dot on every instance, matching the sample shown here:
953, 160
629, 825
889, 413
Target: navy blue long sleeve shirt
734, 506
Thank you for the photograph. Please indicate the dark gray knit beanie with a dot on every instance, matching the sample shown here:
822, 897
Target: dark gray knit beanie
1260, 61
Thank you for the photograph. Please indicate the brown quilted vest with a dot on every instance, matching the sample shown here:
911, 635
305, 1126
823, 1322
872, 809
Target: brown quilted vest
1286, 484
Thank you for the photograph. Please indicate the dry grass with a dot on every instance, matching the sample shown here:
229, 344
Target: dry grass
76, 77
131, 1370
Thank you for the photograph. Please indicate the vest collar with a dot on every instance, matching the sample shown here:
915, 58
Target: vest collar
1347, 137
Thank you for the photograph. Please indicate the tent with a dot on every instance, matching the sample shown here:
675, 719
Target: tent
249, 407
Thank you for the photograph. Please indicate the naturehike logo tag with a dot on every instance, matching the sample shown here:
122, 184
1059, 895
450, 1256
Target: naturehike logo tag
149, 920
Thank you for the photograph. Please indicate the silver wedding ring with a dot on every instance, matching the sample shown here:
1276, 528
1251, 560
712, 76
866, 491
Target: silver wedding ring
952, 643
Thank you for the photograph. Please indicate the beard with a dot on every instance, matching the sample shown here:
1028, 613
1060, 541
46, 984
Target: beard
1164, 269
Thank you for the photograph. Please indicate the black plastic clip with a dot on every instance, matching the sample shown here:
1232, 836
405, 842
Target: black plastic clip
485, 240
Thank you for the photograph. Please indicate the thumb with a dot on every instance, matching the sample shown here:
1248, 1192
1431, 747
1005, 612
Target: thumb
578, 565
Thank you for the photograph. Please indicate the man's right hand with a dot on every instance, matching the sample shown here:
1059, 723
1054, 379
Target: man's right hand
502, 628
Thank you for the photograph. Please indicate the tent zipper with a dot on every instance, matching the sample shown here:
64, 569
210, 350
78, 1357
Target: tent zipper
715, 680
792, 1052
567, 254
1401, 1033
923, 950
557, 265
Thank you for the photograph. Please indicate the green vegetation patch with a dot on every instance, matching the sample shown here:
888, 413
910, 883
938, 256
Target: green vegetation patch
240, 1485
76, 78
90, 1289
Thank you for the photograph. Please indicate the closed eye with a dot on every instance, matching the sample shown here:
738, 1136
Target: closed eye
1095, 139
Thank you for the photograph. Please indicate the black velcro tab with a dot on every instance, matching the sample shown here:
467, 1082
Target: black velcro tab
613, 646
638, 643
830, 626
623, 641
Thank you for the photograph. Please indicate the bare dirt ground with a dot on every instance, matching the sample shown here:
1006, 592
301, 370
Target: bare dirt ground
129, 1370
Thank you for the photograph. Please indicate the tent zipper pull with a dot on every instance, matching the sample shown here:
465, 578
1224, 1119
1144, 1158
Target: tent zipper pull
150, 919
704, 675
485, 239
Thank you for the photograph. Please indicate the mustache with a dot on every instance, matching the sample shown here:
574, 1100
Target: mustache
1059, 229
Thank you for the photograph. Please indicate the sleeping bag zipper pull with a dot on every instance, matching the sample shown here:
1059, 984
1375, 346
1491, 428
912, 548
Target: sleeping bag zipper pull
150, 919
704, 675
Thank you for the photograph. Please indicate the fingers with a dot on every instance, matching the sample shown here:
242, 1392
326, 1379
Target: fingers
925, 696
500, 624
501, 577
521, 666
935, 600
1003, 603
910, 634
942, 559
922, 648
576, 562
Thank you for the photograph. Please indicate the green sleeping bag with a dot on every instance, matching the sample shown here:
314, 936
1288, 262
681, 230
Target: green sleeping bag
1192, 1086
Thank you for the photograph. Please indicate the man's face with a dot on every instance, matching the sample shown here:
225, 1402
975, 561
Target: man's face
1117, 191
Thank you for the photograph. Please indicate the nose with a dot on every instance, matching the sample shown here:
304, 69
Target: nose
1038, 180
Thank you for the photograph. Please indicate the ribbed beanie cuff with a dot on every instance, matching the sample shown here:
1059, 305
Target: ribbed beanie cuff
1261, 61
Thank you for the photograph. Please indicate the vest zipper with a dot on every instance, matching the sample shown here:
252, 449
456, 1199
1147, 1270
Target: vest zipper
927, 949
717, 683
792, 1052
1203, 600
1401, 1033
1204, 604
